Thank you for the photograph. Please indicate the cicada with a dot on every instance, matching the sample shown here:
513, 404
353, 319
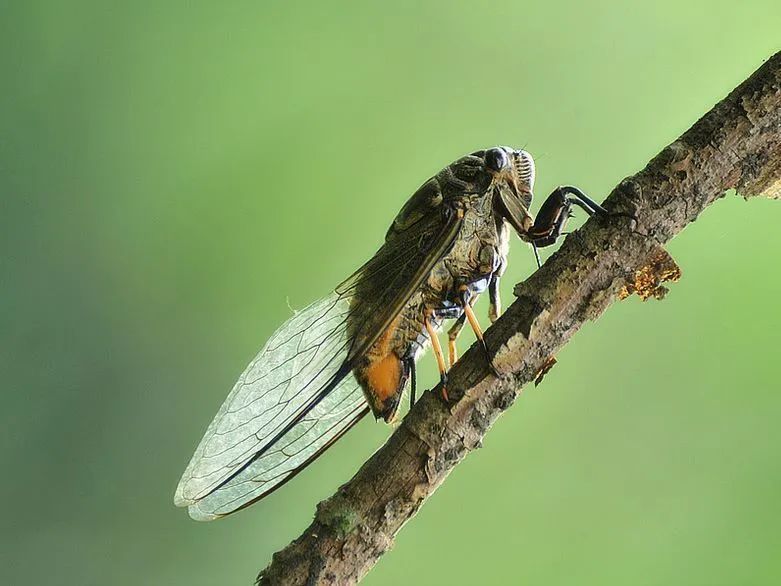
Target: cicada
354, 351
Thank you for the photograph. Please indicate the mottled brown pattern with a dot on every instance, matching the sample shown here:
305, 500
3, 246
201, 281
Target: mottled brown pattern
478, 251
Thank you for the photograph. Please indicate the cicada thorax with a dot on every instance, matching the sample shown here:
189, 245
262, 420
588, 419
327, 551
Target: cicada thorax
479, 252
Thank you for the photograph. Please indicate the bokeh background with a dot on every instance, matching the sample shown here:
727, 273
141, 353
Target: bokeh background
174, 176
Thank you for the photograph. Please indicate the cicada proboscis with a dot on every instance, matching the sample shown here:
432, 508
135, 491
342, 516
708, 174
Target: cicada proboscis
354, 351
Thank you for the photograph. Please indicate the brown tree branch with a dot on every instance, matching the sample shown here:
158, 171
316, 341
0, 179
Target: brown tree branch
737, 145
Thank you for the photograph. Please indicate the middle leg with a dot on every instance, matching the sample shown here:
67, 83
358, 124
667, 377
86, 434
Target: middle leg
472, 319
467, 300
458, 325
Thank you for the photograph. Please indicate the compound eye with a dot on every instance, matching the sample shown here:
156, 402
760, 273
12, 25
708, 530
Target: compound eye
496, 159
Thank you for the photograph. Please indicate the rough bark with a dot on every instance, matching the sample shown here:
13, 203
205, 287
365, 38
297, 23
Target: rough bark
735, 146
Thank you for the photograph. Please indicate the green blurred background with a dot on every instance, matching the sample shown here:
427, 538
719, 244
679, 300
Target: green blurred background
174, 174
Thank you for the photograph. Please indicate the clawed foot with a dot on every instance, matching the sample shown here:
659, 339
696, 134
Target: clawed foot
443, 383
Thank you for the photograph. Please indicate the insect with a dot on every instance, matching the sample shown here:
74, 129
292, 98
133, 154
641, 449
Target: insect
354, 351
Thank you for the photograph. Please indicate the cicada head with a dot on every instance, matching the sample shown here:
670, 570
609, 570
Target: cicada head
512, 168
513, 184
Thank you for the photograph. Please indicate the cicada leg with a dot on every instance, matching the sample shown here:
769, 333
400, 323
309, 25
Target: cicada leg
413, 379
495, 306
439, 356
472, 318
458, 325
555, 212
467, 301
452, 336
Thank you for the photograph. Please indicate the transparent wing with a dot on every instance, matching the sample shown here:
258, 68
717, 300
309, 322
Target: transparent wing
310, 437
292, 401
298, 395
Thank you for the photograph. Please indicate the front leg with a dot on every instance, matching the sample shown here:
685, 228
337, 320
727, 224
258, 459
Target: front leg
555, 212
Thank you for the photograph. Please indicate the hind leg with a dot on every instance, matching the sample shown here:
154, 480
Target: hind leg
495, 307
452, 336
432, 334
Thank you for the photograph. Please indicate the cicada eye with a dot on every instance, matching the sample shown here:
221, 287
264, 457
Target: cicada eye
496, 159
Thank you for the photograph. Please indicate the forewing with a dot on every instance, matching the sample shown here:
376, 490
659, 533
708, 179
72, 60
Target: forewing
325, 423
384, 285
303, 362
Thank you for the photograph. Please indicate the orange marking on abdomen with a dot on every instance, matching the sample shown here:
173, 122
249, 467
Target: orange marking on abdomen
384, 375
